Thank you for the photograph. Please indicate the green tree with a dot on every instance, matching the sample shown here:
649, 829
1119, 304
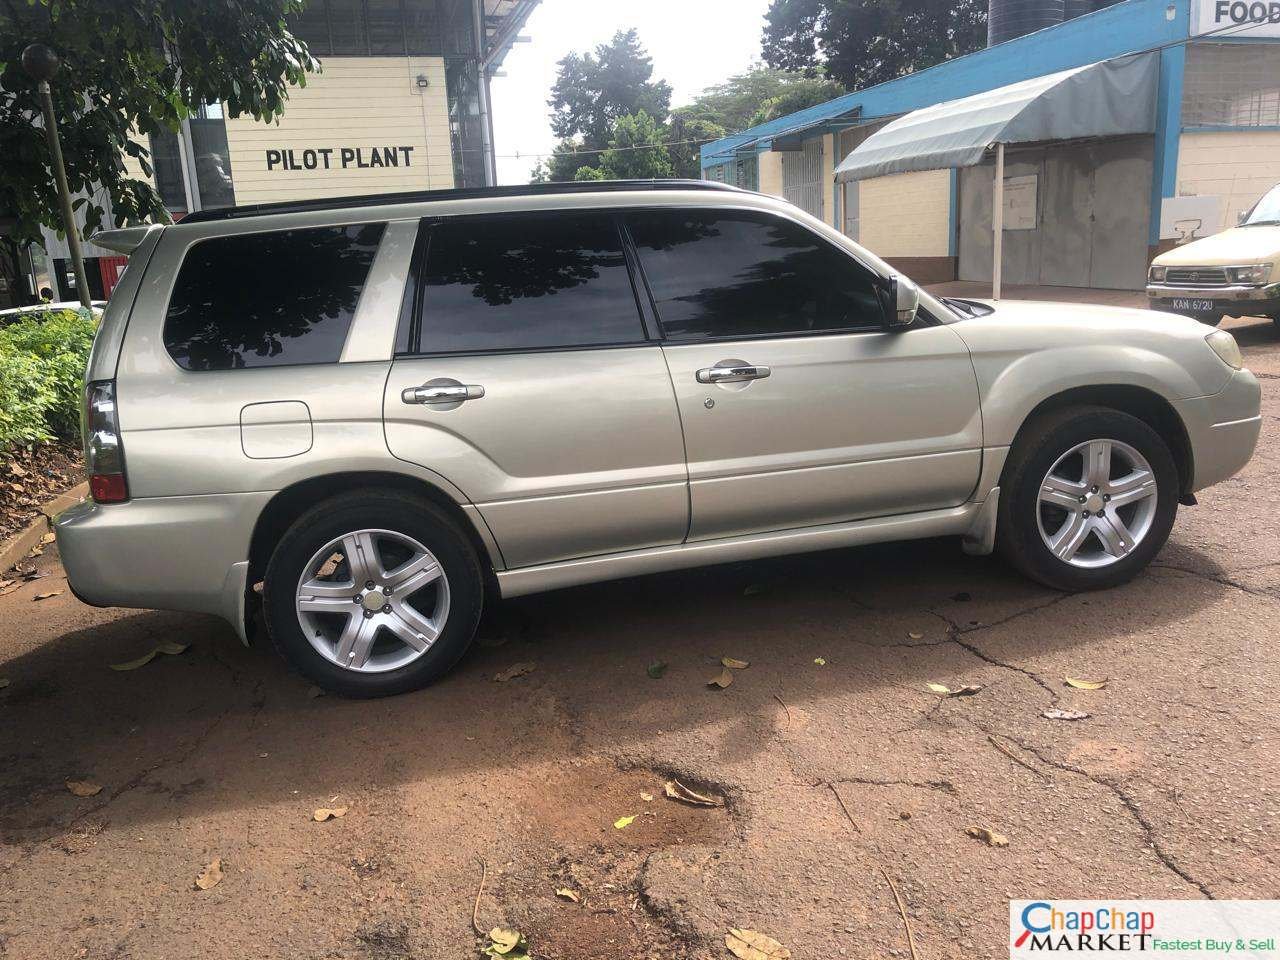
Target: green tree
636, 151
864, 42
130, 65
759, 94
593, 90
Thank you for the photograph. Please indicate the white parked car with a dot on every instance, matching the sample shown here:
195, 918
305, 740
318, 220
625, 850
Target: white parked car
1235, 273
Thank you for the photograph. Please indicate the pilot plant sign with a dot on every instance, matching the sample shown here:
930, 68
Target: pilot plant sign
339, 158
1236, 18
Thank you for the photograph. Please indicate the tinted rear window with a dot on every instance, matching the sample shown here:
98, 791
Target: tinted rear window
530, 281
268, 299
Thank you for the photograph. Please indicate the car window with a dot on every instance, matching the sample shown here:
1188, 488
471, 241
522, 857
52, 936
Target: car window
268, 299
717, 274
527, 282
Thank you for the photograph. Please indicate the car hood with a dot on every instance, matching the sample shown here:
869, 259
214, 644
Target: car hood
1079, 343
1238, 245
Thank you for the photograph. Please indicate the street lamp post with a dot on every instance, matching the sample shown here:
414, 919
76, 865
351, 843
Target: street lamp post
41, 63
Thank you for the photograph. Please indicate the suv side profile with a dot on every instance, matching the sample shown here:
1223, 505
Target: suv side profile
371, 416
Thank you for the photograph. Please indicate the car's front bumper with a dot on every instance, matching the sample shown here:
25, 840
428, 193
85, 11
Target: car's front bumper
170, 553
1222, 429
1236, 300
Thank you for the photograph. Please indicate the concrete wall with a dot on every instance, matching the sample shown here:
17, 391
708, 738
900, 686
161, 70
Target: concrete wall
1237, 165
363, 104
907, 214
771, 173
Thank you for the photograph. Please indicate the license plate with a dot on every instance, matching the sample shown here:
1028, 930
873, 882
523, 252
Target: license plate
1186, 303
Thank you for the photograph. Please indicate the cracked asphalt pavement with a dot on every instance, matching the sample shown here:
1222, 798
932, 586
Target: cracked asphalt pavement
837, 775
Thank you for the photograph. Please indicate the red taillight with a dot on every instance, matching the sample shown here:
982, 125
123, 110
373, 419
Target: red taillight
108, 488
103, 453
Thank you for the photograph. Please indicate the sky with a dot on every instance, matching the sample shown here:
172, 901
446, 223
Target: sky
694, 44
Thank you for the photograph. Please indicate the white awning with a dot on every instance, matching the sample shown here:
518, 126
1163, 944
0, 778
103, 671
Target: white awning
1105, 99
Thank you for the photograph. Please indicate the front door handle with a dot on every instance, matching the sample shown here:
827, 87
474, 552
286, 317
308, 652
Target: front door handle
442, 392
732, 371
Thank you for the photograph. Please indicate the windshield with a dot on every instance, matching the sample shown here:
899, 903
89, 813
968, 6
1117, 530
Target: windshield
1266, 210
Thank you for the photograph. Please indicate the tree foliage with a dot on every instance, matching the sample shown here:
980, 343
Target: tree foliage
592, 91
864, 42
636, 152
130, 67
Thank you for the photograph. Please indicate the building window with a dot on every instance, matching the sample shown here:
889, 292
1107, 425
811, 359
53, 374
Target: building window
166, 163
466, 124
1231, 85
212, 157
383, 28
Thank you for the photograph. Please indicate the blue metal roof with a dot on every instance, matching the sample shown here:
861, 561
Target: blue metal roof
1126, 27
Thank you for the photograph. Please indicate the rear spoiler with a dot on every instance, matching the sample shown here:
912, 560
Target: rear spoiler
124, 240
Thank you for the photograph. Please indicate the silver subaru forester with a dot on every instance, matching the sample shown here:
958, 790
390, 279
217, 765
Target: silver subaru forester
369, 416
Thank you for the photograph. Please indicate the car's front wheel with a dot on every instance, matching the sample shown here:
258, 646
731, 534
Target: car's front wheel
1088, 498
372, 594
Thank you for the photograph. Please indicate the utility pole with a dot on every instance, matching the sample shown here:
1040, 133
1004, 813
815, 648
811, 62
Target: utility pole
41, 64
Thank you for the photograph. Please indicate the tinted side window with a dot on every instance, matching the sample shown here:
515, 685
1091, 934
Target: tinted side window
268, 299
731, 274
527, 281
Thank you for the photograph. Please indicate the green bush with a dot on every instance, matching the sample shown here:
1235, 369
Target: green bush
42, 364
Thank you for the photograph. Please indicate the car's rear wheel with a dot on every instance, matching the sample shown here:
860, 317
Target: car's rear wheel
373, 594
1088, 498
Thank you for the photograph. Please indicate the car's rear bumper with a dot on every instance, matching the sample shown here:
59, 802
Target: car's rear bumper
170, 553
1223, 429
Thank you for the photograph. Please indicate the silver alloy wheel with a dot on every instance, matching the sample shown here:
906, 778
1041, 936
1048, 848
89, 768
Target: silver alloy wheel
372, 600
1096, 503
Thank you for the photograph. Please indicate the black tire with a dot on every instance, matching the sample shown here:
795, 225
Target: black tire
1038, 446
386, 510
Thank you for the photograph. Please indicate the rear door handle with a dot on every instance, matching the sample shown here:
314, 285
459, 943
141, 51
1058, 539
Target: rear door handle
732, 371
442, 392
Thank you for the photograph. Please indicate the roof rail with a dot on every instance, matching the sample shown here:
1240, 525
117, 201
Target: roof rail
465, 193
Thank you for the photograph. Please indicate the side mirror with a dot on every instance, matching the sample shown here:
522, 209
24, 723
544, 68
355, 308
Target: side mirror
904, 301
1241, 217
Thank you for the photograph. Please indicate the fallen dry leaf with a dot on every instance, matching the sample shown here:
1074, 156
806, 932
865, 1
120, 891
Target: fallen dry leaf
1056, 714
751, 945
1086, 684
328, 813
5, 591
566, 894
939, 688
989, 837
211, 875
84, 788
515, 670
678, 791
167, 647
915, 636
49, 538
503, 941
734, 664
46, 596
141, 661
623, 822
646, 797
722, 680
